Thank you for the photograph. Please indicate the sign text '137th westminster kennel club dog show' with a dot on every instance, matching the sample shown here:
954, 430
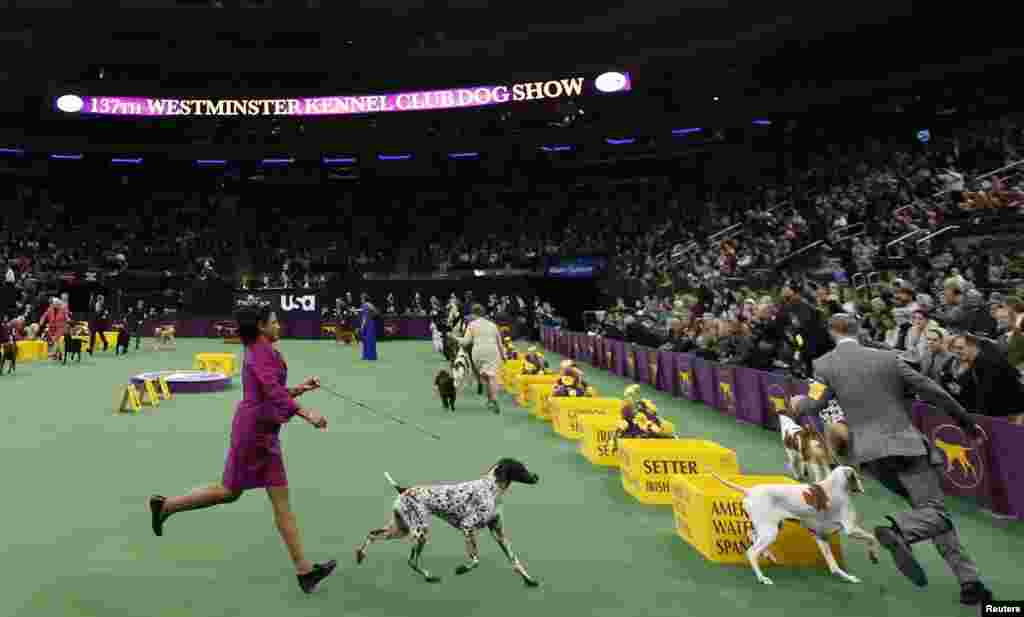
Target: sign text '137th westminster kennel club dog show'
449, 98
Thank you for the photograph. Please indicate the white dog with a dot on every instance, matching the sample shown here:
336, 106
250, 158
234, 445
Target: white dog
823, 508
462, 368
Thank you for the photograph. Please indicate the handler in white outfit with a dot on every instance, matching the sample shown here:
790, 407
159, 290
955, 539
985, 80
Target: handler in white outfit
488, 352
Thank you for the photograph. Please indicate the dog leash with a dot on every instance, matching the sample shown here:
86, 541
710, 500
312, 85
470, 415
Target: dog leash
381, 413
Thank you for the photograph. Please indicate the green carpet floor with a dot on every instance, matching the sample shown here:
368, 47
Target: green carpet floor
76, 539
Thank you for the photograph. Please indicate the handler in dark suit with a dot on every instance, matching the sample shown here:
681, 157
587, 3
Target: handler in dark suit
870, 385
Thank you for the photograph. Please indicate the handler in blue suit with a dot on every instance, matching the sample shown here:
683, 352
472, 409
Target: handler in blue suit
368, 328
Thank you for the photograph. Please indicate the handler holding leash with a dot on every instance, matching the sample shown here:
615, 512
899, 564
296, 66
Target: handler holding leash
488, 352
255, 459
869, 385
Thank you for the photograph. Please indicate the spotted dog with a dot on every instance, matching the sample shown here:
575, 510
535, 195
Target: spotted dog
467, 506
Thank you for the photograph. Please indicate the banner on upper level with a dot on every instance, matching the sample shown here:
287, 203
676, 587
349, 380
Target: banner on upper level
448, 98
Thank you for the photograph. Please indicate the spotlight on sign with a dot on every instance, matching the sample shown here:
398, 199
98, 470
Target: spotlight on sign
69, 103
611, 81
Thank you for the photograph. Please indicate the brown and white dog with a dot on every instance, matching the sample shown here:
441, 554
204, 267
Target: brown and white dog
807, 451
164, 337
823, 508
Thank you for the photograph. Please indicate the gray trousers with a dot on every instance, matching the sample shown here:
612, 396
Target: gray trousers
916, 479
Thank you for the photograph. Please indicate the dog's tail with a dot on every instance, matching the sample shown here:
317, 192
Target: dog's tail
735, 487
400, 489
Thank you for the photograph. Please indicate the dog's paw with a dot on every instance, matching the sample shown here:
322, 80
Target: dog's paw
360, 556
432, 579
873, 556
462, 569
764, 580
530, 582
851, 579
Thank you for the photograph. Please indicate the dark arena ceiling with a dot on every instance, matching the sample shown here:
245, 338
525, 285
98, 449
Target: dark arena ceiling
757, 58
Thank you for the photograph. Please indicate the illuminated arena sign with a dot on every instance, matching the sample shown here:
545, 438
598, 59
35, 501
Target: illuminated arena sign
453, 98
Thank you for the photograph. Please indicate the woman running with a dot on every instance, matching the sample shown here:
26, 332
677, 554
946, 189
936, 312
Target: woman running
255, 459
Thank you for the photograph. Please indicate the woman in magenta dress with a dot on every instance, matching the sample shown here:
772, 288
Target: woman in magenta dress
254, 459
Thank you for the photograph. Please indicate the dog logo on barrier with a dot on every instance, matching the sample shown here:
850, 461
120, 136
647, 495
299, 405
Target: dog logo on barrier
777, 398
684, 383
728, 399
965, 468
390, 329
304, 303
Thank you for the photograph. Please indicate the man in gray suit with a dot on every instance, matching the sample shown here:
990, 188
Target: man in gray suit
869, 385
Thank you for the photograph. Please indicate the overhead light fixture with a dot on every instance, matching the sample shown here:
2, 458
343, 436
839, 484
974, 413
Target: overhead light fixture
763, 122
464, 155
211, 162
69, 103
619, 142
66, 157
346, 160
11, 151
137, 161
394, 157
612, 81
686, 131
556, 148
716, 99
287, 161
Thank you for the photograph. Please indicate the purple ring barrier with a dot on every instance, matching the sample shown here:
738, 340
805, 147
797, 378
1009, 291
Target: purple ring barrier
389, 327
987, 473
189, 382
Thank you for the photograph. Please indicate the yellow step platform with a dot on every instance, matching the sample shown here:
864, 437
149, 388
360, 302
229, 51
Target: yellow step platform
216, 362
648, 465
525, 381
710, 517
512, 369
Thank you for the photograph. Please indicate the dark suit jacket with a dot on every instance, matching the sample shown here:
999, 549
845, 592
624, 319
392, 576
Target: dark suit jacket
992, 387
870, 385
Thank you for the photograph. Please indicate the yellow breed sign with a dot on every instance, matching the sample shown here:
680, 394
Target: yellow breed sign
567, 413
539, 394
598, 445
648, 465
712, 519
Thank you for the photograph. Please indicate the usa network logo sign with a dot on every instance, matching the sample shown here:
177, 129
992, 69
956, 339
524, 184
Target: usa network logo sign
306, 304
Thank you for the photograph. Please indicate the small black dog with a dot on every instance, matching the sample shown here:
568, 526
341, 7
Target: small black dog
124, 337
72, 347
445, 385
8, 353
